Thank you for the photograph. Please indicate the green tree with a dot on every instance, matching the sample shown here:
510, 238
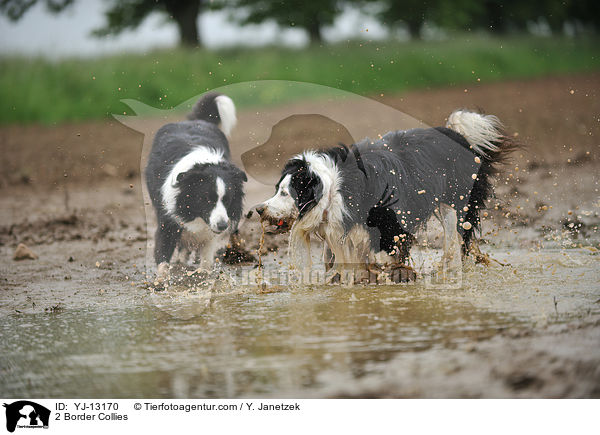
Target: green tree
451, 14
410, 13
129, 14
587, 12
15, 9
457, 14
126, 14
310, 15
502, 16
495, 16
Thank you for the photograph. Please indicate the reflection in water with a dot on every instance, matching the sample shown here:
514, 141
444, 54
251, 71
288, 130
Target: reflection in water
244, 343
285, 343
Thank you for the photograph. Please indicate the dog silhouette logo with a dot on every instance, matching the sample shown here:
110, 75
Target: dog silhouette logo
26, 414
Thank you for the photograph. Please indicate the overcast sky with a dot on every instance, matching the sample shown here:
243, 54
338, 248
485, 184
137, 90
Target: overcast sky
68, 34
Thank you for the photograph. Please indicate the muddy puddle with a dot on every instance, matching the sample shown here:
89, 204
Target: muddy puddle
227, 341
80, 321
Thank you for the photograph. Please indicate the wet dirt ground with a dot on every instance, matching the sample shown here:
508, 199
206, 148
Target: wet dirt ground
82, 321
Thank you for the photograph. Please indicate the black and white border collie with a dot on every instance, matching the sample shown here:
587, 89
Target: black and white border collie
372, 197
192, 182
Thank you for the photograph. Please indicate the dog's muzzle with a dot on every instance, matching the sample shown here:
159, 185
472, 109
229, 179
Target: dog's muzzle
221, 226
276, 225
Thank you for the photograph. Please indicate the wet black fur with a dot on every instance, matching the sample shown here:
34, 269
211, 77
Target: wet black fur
483, 188
386, 221
391, 184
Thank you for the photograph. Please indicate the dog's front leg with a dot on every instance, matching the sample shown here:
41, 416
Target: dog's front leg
209, 250
334, 268
162, 273
328, 257
451, 258
166, 239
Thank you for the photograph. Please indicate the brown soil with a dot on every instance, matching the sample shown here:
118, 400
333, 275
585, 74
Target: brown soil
73, 194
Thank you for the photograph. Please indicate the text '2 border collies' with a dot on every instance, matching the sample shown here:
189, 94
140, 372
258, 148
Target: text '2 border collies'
371, 198
192, 182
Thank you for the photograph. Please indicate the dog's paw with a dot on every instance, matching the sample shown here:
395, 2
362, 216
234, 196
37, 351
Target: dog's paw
370, 275
163, 273
334, 278
400, 273
481, 258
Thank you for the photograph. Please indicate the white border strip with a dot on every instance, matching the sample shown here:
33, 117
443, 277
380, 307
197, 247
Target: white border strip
262, 416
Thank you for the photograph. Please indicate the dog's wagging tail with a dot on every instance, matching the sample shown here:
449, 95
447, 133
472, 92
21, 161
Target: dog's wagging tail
367, 201
486, 136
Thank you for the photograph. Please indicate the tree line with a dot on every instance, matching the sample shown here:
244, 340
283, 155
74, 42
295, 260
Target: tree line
494, 16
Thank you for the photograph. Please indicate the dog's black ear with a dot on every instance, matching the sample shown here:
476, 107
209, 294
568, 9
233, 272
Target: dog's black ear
195, 171
338, 153
180, 177
235, 172
314, 195
307, 190
187, 175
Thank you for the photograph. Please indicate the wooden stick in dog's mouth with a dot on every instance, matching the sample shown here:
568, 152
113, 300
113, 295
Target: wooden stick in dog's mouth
276, 226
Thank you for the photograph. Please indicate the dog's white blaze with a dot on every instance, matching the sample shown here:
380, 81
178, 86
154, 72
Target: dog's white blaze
219, 213
199, 155
282, 205
481, 131
226, 110
220, 188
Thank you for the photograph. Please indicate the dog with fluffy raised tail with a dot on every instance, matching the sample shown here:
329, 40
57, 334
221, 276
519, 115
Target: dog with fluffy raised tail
367, 201
193, 184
